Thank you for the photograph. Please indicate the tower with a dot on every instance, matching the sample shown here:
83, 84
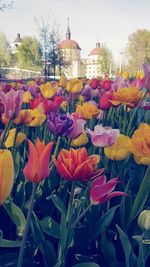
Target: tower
68, 32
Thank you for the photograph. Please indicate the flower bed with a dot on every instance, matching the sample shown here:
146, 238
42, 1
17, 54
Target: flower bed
75, 173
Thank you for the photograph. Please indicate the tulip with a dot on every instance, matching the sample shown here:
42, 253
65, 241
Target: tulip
30, 117
144, 220
106, 84
94, 83
120, 150
88, 110
81, 140
104, 101
27, 97
74, 86
62, 81
11, 136
129, 96
146, 82
101, 191
59, 124
48, 90
7, 174
78, 127
141, 144
37, 167
103, 136
46, 105
12, 102
77, 165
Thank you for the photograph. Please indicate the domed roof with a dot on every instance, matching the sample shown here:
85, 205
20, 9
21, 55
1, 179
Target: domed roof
69, 44
96, 51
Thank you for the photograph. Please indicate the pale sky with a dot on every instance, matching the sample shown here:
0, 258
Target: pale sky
109, 21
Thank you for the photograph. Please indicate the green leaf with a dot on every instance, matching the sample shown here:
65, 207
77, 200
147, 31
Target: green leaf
50, 227
103, 223
87, 264
9, 243
49, 253
15, 214
141, 197
125, 206
127, 248
108, 249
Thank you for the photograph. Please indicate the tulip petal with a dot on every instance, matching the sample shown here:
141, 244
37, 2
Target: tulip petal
83, 172
6, 174
44, 169
99, 181
30, 170
62, 170
116, 194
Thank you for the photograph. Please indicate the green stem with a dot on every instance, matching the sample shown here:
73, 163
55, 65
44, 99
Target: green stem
134, 112
125, 120
70, 206
4, 134
14, 142
75, 223
27, 225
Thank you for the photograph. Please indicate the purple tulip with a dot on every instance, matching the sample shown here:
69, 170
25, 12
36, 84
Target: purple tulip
59, 124
78, 127
103, 136
12, 102
87, 92
146, 82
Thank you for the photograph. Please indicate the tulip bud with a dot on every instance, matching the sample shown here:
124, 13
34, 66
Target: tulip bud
144, 220
6, 174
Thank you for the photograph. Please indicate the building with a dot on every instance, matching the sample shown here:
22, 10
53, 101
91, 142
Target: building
76, 67
16, 43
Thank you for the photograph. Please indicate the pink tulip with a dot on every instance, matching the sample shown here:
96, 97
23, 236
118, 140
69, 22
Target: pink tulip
12, 102
146, 82
103, 136
101, 190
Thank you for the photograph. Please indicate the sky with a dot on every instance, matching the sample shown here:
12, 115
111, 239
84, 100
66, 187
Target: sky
108, 21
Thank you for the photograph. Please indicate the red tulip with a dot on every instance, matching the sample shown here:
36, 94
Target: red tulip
37, 167
77, 165
94, 83
46, 105
104, 102
106, 84
101, 191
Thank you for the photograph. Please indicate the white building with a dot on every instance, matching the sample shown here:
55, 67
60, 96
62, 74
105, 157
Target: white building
16, 43
77, 67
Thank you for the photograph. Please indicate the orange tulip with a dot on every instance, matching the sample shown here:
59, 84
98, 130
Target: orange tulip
77, 165
37, 167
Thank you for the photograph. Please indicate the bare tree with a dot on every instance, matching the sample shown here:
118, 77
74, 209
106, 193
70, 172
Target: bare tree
4, 5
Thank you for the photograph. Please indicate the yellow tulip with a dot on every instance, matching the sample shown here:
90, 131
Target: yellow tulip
141, 144
62, 81
47, 90
32, 83
30, 117
80, 141
27, 97
6, 174
129, 96
87, 110
120, 150
74, 86
10, 139
125, 75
